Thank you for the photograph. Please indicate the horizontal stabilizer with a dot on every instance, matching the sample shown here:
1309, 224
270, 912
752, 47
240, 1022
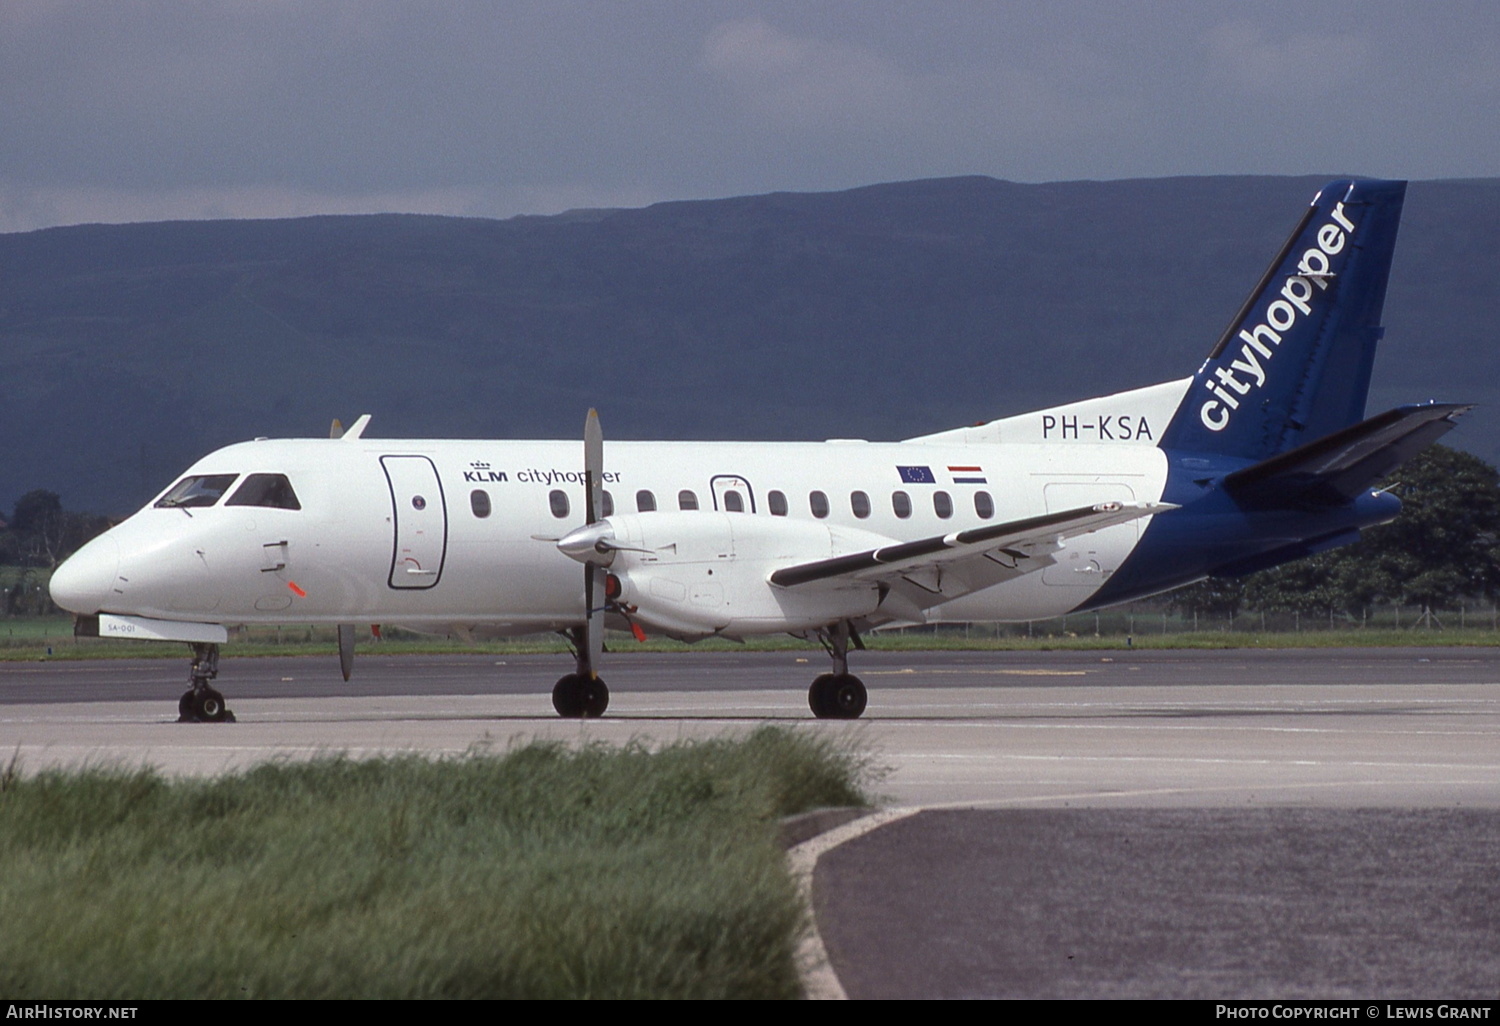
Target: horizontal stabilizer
1335, 468
890, 561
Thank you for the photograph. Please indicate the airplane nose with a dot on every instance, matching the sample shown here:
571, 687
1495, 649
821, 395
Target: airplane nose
83, 582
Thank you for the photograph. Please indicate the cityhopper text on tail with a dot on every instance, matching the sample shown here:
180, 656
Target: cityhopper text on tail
1262, 455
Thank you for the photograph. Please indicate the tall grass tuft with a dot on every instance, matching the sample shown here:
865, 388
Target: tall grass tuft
540, 872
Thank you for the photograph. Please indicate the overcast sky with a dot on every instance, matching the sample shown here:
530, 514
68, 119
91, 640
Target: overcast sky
142, 110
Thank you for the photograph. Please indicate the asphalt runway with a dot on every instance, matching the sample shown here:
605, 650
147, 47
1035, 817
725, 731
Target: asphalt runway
1396, 727
1321, 822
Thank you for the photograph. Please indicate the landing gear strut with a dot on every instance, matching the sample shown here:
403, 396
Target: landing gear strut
838, 695
581, 694
201, 703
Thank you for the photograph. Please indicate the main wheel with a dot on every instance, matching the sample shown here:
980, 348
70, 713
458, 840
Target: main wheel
185, 713
837, 697
818, 699
208, 705
847, 697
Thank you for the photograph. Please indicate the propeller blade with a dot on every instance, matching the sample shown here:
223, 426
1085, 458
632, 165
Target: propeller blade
336, 429
346, 649
584, 544
593, 467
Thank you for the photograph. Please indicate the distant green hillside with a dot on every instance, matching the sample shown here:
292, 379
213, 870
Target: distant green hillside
128, 351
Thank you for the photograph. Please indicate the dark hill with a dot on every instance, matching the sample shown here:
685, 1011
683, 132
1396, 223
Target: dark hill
881, 312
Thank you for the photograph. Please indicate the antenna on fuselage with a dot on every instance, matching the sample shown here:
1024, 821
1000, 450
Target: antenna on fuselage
336, 430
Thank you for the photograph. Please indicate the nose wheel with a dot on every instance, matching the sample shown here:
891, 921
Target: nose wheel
200, 703
580, 697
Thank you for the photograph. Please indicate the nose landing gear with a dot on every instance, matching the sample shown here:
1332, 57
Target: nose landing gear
576, 697
580, 695
201, 703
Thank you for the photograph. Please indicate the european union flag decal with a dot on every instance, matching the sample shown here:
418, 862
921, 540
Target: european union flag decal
916, 475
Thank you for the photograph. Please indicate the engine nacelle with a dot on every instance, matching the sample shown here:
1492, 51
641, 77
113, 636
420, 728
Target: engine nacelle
699, 573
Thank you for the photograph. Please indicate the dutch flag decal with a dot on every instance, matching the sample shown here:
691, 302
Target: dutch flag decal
967, 475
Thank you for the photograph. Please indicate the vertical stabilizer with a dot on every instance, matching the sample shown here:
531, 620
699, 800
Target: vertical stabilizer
1295, 363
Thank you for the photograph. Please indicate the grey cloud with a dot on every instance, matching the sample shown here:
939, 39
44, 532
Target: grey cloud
255, 108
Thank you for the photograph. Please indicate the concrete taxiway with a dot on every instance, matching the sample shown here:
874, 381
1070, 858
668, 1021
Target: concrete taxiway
1393, 727
1236, 823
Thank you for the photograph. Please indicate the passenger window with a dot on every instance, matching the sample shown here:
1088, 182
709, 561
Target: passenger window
778, 504
645, 502
609, 505
734, 502
479, 502
204, 490
687, 500
984, 505
818, 502
558, 500
901, 504
270, 490
860, 503
942, 504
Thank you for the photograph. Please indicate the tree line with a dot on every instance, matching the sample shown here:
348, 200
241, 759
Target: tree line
1443, 550
39, 535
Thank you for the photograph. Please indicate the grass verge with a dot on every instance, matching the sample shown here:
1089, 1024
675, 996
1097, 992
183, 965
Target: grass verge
311, 641
542, 872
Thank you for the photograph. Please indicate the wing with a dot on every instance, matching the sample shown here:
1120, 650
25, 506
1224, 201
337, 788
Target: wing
950, 565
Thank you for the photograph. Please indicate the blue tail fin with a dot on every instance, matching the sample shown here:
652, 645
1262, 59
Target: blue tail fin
1295, 363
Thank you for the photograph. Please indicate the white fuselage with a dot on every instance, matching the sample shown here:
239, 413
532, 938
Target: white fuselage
391, 531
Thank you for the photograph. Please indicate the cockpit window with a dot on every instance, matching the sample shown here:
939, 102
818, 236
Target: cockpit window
200, 490
272, 490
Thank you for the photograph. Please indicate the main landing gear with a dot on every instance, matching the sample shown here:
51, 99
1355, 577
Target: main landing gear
581, 694
201, 703
838, 695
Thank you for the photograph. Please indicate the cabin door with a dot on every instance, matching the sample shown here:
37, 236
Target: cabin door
419, 520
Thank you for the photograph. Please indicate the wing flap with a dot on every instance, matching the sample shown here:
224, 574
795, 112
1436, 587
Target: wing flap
1014, 540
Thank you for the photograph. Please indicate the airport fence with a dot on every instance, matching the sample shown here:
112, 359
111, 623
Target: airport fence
1475, 624
1141, 620
28, 620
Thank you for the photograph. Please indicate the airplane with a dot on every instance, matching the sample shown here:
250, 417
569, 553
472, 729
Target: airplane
1261, 456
